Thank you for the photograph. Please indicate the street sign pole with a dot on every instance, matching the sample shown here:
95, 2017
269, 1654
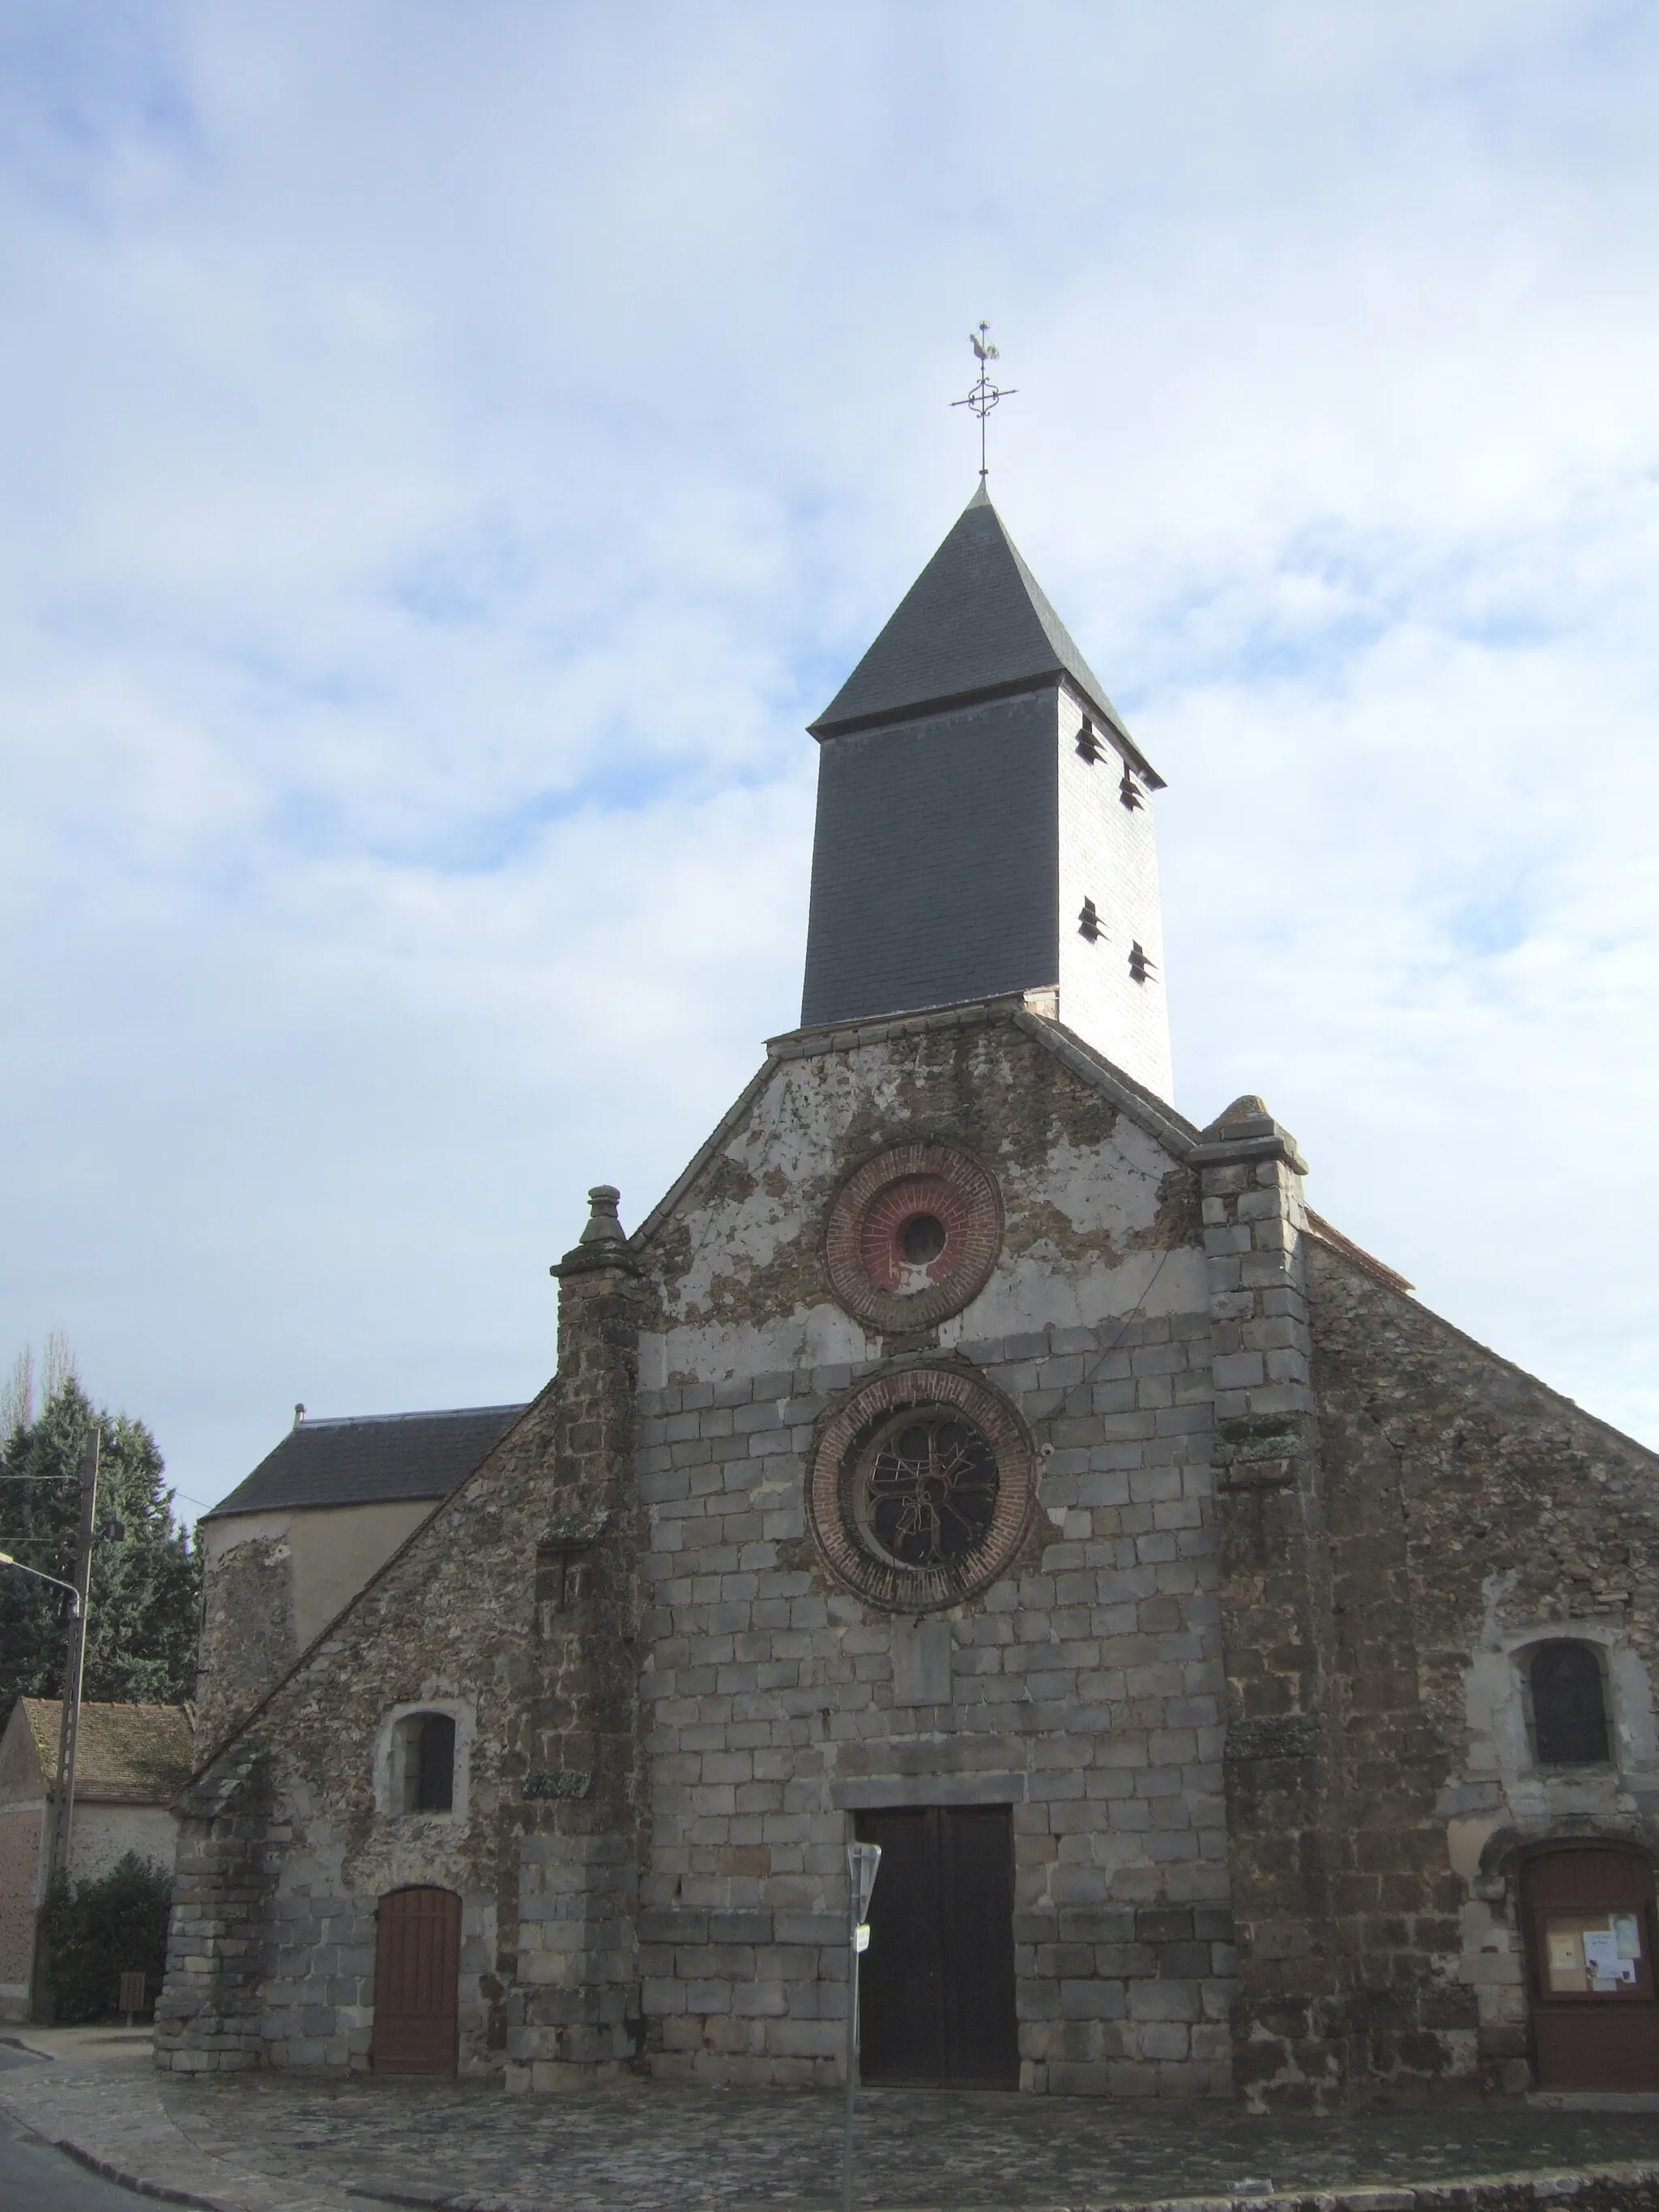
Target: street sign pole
862, 1861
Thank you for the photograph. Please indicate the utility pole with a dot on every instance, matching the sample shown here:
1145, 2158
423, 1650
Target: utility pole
69, 1727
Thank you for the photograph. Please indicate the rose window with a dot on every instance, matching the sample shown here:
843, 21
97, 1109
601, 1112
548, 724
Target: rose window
927, 1488
921, 1486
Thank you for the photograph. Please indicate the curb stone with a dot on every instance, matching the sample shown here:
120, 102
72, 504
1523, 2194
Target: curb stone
109, 2171
1623, 2188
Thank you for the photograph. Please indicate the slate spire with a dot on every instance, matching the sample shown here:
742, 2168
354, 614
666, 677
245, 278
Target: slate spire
976, 624
984, 820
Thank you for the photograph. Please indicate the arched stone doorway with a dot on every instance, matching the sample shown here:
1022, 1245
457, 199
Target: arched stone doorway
1588, 1916
417, 1958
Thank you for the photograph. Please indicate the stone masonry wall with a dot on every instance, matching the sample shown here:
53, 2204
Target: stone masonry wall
452, 1621
1083, 1689
1475, 1510
1276, 1612
247, 1639
219, 1936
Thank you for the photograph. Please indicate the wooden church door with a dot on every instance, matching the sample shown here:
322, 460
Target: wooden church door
417, 1958
936, 1987
1590, 1927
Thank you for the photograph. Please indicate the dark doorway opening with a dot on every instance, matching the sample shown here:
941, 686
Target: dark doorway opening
1589, 1928
936, 1987
417, 1958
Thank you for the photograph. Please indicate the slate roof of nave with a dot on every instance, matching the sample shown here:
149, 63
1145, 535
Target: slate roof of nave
371, 1459
975, 623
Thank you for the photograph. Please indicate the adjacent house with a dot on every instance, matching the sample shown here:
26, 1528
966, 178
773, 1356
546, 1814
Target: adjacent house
130, 1762
295, 1541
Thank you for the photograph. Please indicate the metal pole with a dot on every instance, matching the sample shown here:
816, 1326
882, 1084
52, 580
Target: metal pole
69, 1727
852, 2035
862, 1862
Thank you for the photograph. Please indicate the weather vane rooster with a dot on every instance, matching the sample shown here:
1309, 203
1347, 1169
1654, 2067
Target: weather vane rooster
986, 393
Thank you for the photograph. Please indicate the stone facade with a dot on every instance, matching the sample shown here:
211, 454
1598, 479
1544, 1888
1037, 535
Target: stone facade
1249, 1666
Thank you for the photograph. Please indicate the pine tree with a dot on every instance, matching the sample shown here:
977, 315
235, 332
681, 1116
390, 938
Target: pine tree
146, 1578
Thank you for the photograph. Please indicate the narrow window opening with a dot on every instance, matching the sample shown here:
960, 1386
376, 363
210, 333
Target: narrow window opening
429, 1762
562, 1573
1088, 743
1088, 922
1569, 1705
1140, 966
1128, 791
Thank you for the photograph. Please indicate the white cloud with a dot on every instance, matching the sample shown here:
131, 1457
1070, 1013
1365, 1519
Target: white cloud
454, 452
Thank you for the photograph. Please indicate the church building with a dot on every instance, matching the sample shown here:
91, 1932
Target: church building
1248, 1677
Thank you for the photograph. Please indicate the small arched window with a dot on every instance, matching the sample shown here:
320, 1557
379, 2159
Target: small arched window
425, 1762
1569, 1705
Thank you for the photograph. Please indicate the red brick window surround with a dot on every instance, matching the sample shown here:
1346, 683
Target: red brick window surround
913, 1237
921, 1488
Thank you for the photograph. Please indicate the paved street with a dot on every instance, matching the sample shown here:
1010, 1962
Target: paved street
277, 2144
34, 2179
645, 2150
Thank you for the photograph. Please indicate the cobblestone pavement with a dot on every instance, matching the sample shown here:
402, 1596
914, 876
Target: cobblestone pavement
634, 2150
287, 2140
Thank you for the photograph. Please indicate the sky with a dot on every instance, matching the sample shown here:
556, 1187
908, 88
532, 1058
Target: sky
451, 448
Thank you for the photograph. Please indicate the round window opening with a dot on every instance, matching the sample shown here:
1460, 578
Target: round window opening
922, 1487
913, 1236
921, 1239
926, 1489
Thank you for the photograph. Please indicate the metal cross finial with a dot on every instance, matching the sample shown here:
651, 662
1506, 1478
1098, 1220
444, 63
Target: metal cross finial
985, 394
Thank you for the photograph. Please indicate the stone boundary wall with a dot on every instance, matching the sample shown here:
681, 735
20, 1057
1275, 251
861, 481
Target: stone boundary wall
1084, 1689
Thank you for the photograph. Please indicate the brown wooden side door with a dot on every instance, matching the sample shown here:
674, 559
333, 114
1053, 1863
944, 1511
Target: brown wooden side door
1589, 1920
418, 1961
936, 1987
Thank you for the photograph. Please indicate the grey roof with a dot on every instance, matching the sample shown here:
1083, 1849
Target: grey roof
371, 1459
975, 621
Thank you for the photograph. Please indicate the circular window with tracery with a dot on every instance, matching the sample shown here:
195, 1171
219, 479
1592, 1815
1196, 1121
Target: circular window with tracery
920, 1488
913, 1237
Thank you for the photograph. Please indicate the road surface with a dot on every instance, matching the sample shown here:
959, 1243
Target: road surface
34, 2179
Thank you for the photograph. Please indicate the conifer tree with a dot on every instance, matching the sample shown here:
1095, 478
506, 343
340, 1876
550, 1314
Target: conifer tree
146, 1578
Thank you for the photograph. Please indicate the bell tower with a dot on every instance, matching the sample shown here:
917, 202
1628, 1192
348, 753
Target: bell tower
985, 819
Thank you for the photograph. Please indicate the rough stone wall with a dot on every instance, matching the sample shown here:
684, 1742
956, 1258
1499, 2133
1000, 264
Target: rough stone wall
452, 1621
19, 1862
577, 2006
1473, 1511
218, 1938
1276, 1610
247, 1634
1083, 1689
104, 1834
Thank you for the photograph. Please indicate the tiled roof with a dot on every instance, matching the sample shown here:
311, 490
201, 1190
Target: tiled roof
371, 1459
975, 621
124, 1754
